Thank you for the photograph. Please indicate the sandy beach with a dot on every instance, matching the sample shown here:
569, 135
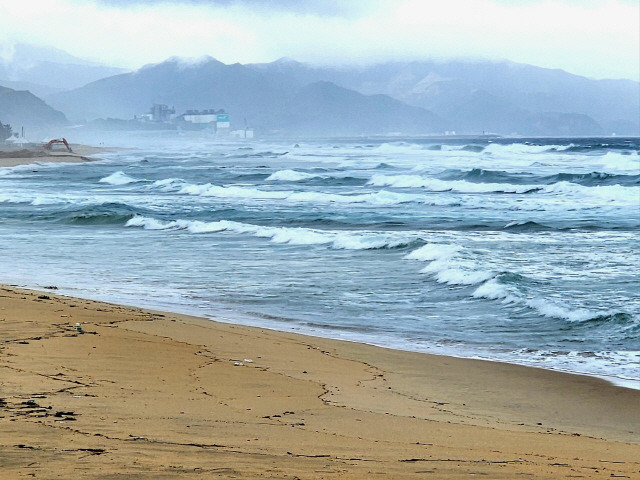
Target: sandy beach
134, 393
27, 156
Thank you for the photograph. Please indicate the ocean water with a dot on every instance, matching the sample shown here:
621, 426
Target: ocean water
525, 252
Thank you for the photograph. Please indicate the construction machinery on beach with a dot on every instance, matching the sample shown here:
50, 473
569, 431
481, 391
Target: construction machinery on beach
49, 145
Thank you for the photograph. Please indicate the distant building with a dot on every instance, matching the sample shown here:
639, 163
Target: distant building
222, 123
216, 120
158, 113
200, 116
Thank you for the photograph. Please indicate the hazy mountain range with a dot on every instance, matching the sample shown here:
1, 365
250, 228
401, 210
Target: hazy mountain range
288, 97
502, 97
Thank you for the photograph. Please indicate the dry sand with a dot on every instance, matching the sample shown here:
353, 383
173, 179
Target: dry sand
142, 394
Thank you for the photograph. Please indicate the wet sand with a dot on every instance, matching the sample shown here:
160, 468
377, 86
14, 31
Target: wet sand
144, 394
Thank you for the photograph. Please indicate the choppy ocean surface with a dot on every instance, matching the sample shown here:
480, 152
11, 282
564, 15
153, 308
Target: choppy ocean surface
522, 252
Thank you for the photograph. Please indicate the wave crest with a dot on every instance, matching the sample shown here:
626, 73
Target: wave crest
118, 178
284, 235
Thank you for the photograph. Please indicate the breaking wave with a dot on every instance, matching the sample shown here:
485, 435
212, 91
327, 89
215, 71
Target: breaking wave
497, 289
436, 185
453, 265
118, 178
289, 176
284, 235
590, 179
382, 197
608, 193
594, 179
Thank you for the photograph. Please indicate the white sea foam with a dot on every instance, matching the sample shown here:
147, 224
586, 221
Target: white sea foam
436, 185
148, 223
616, 162
553, 310
453, 265
493, 290
168, 183
367, 241
607, 193
282, 235
620, 368
380, 198
433, 251
289, 176
118, 178
50, 200
399, 147
457, 271
450, 264
38, 199
209, 190
456, 276
601, 193
519, 148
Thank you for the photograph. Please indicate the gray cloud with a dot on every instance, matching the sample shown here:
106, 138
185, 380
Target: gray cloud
596, 38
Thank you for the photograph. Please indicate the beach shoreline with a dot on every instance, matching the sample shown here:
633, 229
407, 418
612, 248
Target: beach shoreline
103, 390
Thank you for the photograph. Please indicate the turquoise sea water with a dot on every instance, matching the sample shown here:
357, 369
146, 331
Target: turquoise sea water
505, 250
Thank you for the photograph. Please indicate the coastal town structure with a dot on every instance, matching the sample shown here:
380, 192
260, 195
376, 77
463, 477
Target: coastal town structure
216, 120
158, 113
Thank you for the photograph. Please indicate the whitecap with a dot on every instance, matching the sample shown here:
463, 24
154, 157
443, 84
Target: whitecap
436, 185
433, 251
118, 178
148, 223
607, 193
289, 176
621, 163
167, 183
493, 290
553, 310
520, 148
380, 198
281, 235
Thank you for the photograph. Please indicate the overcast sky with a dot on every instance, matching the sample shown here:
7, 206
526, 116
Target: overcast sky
595, 38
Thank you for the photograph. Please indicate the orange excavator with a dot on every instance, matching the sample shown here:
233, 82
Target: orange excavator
49, 145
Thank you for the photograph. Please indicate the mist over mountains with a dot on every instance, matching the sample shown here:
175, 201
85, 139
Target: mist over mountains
46, 70
286, 97
501, 97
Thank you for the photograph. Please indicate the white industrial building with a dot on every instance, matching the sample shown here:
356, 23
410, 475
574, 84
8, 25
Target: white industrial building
192, 119
200, 116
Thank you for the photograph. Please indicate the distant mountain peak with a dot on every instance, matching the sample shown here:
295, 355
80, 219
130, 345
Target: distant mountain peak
286, 61
183, 63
